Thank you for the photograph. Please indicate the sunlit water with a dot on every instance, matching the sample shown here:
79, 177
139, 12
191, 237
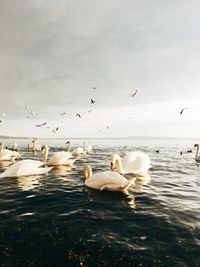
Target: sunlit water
53, 220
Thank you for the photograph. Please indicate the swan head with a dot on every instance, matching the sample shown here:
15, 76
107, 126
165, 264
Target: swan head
87, 172
115, 160
196, 145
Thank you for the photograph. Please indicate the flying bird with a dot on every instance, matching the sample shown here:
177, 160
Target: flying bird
94, 88
89, 110
134, 93
33, 114
55, 130
41, 125
92, 101
182, 110
61, 114
78, 115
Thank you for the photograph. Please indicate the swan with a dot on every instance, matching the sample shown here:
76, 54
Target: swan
59, 158
79, 151
35, 146
25, 167
107, 180
87, 148
134, 162
197, 156
7, 155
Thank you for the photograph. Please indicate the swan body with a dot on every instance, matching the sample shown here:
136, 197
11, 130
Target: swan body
7, 155
197, 156
25, 168
107, 180
59, 158
134, 162
77, 152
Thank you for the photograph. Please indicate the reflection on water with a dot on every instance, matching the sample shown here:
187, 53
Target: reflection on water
61, 170
27, 183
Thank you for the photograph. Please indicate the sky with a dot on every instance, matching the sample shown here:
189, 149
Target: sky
58, 55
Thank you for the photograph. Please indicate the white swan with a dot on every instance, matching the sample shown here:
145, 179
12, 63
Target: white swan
25, 168
134, 162
107, 180
79, 151
35, 146
197, 156
59, 158
87, 148
7, 155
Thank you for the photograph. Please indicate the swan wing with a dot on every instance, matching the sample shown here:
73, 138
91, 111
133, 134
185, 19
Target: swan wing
102, 179
25, 168
59, 158
136, 162
7, 154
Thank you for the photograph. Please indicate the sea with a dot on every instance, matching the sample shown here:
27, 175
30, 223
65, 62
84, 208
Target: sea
55, 220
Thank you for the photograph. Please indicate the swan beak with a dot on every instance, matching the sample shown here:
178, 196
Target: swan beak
112, 166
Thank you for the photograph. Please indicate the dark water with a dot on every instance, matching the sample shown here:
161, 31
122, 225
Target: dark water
54, 220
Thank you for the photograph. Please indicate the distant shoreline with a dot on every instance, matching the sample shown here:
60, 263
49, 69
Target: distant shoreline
106, 138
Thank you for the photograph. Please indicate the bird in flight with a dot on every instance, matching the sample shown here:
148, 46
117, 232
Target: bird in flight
92, 101
41, 125
55, 130
78, 115
182, 110
61, 114
33, 114
94, 88
134, 93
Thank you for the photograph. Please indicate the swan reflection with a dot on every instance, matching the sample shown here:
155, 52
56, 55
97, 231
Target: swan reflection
61, 170
27, 183
140, 181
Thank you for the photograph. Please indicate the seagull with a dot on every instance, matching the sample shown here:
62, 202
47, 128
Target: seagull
78, 115
33, 114
92, 101
55, 130
134, 94
182, 110
41, 125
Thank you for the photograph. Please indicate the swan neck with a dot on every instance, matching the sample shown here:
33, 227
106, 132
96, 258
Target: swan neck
45, 153
1, 147
197, 152
68, 146
116, 161
87, 172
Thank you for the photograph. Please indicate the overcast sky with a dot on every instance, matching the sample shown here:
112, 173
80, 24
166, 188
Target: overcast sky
53, 54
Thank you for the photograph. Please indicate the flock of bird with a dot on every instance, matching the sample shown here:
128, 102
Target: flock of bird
134, 163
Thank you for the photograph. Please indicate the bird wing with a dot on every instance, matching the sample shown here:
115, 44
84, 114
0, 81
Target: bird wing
59, 158
136, 162
101, 179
